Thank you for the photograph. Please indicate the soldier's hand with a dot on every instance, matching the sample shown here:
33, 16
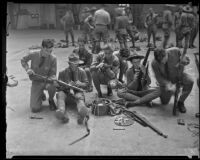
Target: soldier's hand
171, 87
100, 65
78, 83
30, 72
143, 69
72, 83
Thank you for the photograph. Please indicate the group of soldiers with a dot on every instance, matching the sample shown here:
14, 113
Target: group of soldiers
102, 65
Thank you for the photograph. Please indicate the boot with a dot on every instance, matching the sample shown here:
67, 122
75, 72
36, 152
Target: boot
52, 105
81, 115
60, 115
181, 107
109, 91
43, 97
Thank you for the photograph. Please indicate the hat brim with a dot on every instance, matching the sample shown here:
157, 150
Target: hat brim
134, 57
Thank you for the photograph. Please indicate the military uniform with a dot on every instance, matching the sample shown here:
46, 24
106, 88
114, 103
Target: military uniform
120, 29
102, 20
48, 69
132, 95
177, 19
165, 73
151, 27
108, 72
67, 75
68, 23
87, 58
167, 24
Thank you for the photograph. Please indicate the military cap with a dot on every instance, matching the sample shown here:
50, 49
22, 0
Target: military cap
47, 43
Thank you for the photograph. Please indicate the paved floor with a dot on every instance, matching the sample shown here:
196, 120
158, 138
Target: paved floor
47, 136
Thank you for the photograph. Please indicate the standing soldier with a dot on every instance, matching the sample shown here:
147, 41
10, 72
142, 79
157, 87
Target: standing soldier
132, 95
169, 70
150, 24
177, 19
122, 55
102, 20
104, 68
121, 23
129, 28
89, 21
187, 23
45, 64
167, 24
75, 76
87, 58
195, 28
68, 22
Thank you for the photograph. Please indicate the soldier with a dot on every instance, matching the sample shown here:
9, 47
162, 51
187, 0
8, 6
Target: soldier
130, 28
187, 23
102, 20
121, 24
45, 64
177, 18
89, 21
167, 24
75, 76
122, 55
68, 22
104, 68
169, 70
150, 24
132, 95
87, 58
195, 28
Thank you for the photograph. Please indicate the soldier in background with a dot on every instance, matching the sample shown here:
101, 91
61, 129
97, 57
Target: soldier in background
177, 19
167, 24
68, 22
102, 20
150, 24
195, 28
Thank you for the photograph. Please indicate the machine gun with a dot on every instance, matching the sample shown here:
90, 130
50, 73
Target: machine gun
141, 120
142, 78
61, 83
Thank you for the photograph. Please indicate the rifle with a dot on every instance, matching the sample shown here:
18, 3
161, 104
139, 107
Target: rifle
61, 83
142, 120
196, 60
142, 79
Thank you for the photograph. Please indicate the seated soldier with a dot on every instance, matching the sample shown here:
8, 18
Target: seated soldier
169, 70
75, 76
43, 62
132, 94
104, 68
122, 55
87, 58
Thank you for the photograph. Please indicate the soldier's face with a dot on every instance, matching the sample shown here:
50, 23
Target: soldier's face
108, 53
73, 66
81, 45
47, 51
136, 63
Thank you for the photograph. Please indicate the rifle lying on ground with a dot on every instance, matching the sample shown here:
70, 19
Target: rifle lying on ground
140, 119
61, 83
143, 79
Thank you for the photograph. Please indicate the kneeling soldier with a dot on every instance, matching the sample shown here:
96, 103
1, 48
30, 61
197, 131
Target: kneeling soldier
45, 64
75, 76
87, 58
168, 68
131, 94
104, 68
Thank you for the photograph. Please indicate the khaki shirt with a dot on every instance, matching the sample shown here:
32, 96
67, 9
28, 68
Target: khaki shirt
102, 17
48, 69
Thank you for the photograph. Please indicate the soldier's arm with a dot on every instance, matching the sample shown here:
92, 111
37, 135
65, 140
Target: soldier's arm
53, 69
161, 80
25, 60
132, 80
96, 62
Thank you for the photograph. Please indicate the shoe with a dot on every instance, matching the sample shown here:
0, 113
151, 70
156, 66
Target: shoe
109, 91
60, 115
181, 107
43, 97
81, 115
52, 105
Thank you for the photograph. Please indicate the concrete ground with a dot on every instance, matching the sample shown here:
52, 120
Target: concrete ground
47, 136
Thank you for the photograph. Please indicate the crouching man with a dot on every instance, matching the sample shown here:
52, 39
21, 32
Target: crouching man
45, 64
104, 68
74, 76
169, 70
132, 93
